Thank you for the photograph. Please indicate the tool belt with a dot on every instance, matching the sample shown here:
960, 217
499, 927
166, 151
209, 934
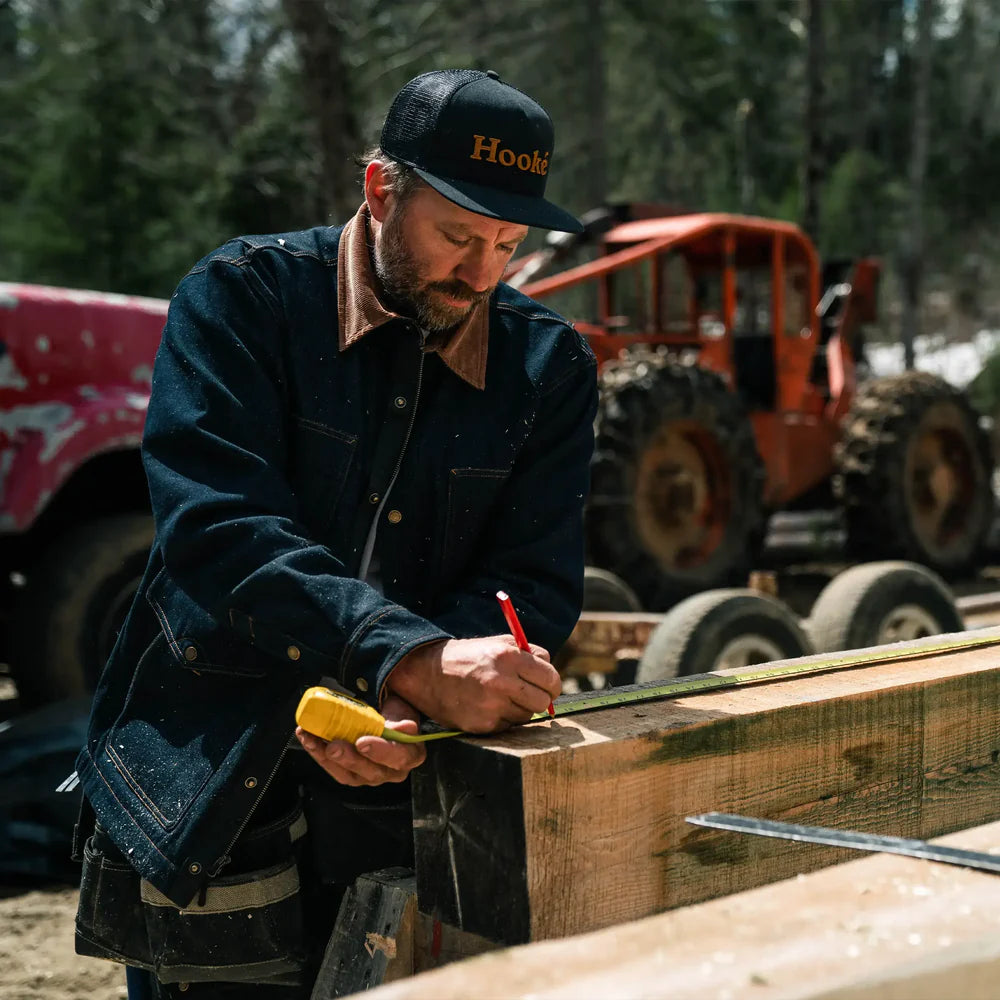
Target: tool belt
245, 926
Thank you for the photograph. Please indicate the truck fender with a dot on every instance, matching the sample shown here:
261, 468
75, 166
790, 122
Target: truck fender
43, 444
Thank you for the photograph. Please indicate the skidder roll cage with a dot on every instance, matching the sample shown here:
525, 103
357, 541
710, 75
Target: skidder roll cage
729, 390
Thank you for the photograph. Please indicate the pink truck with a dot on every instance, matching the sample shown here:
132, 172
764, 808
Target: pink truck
75, 528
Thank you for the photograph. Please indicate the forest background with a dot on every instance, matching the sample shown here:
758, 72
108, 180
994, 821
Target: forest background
136, 135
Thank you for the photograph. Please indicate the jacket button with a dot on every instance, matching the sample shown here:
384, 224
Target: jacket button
361, 684
190, 653
394, 516
293, 652
374, 498
250, 783
194, 868
183, 987
400, 402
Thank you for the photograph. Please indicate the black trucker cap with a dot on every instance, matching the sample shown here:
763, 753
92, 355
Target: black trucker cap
479, 142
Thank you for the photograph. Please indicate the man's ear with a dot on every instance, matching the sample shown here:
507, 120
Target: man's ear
377, 190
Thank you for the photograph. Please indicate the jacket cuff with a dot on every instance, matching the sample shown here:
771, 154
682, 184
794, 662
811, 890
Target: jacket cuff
386, 672
377, 646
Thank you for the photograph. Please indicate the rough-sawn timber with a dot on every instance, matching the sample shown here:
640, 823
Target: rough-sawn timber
575, 824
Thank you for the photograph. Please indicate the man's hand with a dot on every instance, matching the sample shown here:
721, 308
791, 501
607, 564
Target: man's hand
372, 760
478, 685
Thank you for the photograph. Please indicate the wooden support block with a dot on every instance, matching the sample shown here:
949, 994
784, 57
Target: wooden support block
380, 937
878, 928
372, 940
578, 823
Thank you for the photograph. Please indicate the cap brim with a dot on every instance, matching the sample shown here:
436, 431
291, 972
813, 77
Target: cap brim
522, 210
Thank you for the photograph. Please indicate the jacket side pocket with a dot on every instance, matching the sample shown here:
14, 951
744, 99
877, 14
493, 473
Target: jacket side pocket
196, 640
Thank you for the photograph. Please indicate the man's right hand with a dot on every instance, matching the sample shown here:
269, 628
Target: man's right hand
477, 685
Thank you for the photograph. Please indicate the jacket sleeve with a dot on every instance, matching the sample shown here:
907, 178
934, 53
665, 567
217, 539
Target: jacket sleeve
215, 451
534, 550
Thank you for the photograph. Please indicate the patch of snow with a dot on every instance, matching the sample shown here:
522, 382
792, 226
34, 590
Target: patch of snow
957, 363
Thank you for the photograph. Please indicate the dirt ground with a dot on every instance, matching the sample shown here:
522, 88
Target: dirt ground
37, 960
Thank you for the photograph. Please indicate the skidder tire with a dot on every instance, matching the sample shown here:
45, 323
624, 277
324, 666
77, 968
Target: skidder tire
73, 605
881, 602
914, 474
721, 628
676, 503
603, 591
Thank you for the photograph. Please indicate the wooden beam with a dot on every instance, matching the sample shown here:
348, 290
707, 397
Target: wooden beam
578, 823
877, 928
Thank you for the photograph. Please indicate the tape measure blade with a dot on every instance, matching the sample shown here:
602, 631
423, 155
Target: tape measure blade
586, 701
677, 687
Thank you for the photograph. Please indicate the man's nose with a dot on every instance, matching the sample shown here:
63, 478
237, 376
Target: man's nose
475, 270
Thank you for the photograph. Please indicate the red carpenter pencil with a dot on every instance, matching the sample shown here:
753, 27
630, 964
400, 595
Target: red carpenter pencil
514, 624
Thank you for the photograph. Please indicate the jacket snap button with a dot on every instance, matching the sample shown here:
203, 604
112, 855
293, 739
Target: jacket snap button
400, 402
194, 868
374, 498
250, 783
293, 652
361, 684
190, 653
394, 517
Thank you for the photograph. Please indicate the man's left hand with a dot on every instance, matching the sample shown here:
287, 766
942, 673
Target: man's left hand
371, 760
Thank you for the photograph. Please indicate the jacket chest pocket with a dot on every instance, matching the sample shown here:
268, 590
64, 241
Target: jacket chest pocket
320, 460
472, 495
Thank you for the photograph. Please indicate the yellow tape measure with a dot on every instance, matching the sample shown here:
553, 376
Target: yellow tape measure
334, 716
331, 715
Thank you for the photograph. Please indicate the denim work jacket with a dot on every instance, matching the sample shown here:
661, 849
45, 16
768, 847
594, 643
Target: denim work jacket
269, 451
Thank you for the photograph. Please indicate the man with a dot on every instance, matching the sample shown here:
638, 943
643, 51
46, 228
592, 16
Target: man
355, 438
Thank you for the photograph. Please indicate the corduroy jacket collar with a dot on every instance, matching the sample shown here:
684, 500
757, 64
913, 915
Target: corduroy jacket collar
464, 351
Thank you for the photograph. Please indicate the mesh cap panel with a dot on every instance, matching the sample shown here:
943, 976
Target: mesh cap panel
416, 109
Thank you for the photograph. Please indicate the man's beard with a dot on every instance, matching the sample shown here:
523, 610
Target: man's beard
402, 281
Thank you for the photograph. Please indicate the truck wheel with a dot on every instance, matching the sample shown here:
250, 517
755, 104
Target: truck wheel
676, 502
73, 605
720, 629
914, 474
603, 591
881, 602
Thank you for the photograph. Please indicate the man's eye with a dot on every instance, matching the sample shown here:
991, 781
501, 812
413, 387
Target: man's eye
456, 240
507, 249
